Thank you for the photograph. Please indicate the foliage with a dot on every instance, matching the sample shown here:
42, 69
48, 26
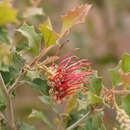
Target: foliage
23, 62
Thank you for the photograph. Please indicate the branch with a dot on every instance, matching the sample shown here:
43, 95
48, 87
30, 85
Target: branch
2, 116
13, 86
79, 121
11, 121
122, 92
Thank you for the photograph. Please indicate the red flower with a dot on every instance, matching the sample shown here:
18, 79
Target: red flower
68, 77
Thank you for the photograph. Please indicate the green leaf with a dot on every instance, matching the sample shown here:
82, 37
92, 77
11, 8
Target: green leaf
39, 115
3, 101
126, 103
93, 99
74, 17
45, 99
115, 76
34, 38
9, 76
5, 53
7, 13
25, 126
17, 61
96, 85
4, 36
50, 36
38, 84
125, 63
33, 74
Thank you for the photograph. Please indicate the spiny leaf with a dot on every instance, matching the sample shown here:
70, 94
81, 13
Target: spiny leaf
94, 99
7, 13
125, 63
115, 76
37, 84
39, 115
34, 38
33, 74
75, 16
50, 36
4, 36
45, 99
18, 61
5, 53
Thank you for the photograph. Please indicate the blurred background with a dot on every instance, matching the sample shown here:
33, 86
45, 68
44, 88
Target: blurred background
103, 39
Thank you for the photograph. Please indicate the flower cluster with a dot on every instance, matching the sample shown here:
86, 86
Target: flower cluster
68, 77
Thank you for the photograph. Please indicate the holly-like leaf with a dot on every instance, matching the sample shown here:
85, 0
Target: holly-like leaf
4, 36
3, 101
126, 104
7, 13
33, 74
94, 99
125, 63
50, 36
5, 53
126, 78
17, 61
45, 99
75, 16
96, 85
34, 39
115, 76
38, 84
39, 115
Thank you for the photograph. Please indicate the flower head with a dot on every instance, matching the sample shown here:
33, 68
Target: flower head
68, 77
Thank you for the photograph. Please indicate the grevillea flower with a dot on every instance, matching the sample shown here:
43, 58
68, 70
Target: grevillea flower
68, 77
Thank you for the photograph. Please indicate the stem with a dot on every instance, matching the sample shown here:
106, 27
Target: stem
122, 92
2, 116
42, 53
11, 121
79, 121
13, 86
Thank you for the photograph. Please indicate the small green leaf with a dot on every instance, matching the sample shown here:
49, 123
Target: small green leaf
4, 36
3, 101
39, 115
33, 74
115, 76
7, 13
45, 99
38, 84
125, 63
9, 76
18, 61
96, 85
50, 36
126, 103
34, 38
94, 99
